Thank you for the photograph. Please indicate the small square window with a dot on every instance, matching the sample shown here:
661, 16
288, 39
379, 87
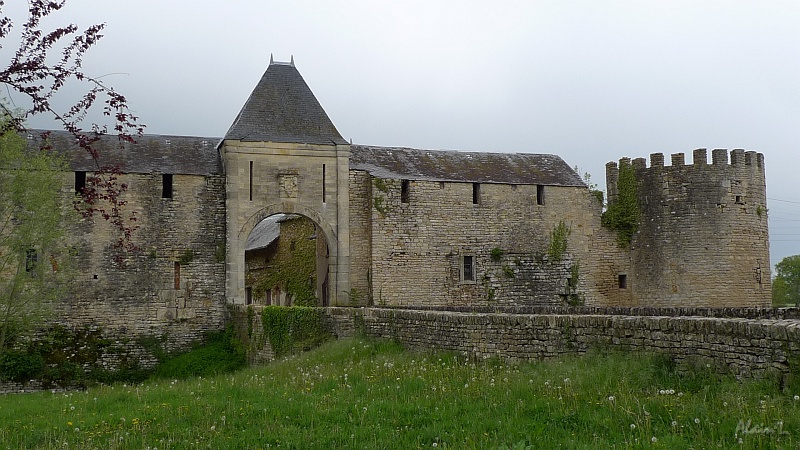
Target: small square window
623, 281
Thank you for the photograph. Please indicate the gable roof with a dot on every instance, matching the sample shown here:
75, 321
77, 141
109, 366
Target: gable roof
188, 155
282, 108
469, 167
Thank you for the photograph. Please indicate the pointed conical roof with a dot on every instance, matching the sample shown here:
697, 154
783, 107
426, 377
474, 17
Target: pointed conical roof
282, 108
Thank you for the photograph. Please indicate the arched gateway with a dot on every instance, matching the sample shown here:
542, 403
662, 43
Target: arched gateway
283, 155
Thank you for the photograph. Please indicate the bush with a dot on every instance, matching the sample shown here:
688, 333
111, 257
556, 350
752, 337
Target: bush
221, 353
20, 366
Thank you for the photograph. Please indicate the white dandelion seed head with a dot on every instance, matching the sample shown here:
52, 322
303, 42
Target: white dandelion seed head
696, 420
633, 426
654, 439
797, 397
611, 398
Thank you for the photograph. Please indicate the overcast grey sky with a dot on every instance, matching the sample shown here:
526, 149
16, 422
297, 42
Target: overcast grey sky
591, 81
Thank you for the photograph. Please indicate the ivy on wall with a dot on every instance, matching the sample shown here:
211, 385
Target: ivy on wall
293, 328
293, 267
380, 199
623, 214
558, 241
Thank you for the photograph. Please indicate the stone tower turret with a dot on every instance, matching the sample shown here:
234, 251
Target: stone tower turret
703, 238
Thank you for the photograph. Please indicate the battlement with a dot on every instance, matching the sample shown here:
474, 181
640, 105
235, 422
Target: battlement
719, 157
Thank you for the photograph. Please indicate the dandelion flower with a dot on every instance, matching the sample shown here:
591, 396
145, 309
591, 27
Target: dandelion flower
653, 439
797, 397
633, 426
674, 423
611, 398
696, 420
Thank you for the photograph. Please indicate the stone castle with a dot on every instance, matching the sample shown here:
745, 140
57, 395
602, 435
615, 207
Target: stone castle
405, 227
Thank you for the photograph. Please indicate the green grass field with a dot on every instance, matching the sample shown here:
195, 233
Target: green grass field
365, 394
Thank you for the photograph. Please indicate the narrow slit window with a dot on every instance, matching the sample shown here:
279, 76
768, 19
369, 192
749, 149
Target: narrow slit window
166, 185
468, 268
80, 181
623, 281
476, 193
251, 181
177, 274
31, 259
539, 194
404, 191
323, 183
248, 295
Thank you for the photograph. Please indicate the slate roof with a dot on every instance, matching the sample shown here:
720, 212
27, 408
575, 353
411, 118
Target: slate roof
282, 108
264, 233
472, 167
150, 154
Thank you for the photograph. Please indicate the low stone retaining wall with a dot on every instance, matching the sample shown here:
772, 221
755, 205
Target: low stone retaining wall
742, 346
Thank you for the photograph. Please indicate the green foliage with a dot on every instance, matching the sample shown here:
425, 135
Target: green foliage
293, 328
574, 298
623, 214
598, 194
293, 268
33, 262
761, 211
354, 297
786, 284
221, 353
20, 366
509, 272
356, 393
558, 241
379, 201
186, 257
496, 254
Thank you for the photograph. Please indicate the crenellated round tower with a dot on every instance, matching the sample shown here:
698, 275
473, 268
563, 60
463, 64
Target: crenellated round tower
702, 238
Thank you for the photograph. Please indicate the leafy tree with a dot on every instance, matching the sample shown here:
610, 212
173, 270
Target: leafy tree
786, 284
32, 259
45, 60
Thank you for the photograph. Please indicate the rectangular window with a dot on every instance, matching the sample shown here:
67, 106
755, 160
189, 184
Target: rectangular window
268, 297
251, 181
80, 181
323, 183
539, 194
404, 190
166, 185
468, 268
623, 281
248, 295
476, 193
177, 275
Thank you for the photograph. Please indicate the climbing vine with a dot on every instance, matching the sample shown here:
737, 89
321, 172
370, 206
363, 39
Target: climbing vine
558, 241
293, 328
379, 201
623, 214
293, 268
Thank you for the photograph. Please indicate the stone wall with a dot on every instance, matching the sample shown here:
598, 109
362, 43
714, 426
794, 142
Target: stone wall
741, 346
703, 237
172, 286
418, 244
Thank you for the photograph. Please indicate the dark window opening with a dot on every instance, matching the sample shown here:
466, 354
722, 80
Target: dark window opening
739, 199
166, 185
248, 295
539, 194
441, 185
292, 245
623, 281
404, 191
468, 273
177, 274
268, 297
476, 193
80, 181
251, 181
31, 259
323, 183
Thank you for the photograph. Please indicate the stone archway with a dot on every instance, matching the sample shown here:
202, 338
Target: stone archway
287, 262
